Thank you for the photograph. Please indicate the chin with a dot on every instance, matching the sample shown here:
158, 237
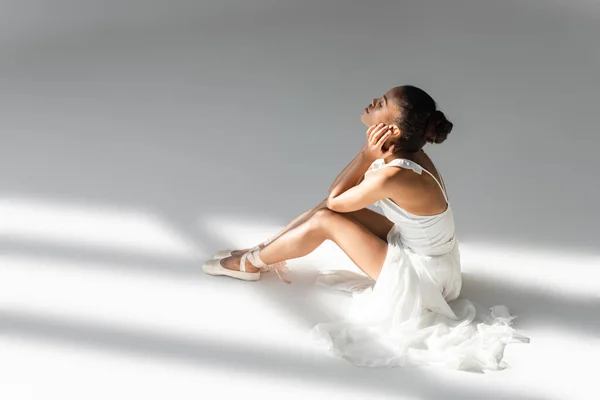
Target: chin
364, 118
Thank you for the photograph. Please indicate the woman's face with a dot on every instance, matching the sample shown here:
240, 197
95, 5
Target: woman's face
382, 109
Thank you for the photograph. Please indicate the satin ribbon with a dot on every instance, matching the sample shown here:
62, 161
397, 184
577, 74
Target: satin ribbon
255, 259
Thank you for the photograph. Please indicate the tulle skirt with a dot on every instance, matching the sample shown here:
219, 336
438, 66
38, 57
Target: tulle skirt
412, 315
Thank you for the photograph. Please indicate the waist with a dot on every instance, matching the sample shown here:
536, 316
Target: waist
437, 250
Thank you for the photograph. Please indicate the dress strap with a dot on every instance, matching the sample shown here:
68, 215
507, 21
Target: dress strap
439, 184
443, 185
403, 162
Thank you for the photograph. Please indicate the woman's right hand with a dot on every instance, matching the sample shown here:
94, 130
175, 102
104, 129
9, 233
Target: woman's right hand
376, 137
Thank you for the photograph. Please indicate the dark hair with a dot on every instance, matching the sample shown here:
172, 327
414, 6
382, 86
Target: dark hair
419, 119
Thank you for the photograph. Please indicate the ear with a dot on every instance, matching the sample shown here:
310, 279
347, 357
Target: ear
395, 130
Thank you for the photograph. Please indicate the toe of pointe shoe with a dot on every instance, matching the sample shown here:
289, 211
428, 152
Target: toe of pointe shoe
214, 267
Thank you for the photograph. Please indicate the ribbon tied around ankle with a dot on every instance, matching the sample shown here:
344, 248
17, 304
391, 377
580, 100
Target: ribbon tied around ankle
255, 259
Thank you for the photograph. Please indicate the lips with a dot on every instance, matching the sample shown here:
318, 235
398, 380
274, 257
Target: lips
367, 110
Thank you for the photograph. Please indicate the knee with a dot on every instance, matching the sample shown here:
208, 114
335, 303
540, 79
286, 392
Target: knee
319, 207
322, 217
324, 212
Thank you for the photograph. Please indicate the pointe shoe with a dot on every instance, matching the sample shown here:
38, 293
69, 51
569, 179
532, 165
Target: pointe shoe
214, 267
227, 253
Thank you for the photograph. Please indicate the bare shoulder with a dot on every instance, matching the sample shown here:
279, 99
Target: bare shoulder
428, 164
390, 176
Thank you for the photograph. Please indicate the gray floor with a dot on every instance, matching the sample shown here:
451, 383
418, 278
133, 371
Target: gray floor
140, 137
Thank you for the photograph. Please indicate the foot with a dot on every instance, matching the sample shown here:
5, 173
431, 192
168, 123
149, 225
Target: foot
233, 263
241, 252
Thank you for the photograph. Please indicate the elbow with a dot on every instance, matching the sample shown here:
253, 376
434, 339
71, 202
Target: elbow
333, 205
330, 203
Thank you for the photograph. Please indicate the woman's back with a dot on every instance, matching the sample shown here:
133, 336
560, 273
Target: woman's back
423, 227
420, 194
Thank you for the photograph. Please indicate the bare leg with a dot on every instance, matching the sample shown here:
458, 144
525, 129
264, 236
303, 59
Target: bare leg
373, 221
364, 248
297, 221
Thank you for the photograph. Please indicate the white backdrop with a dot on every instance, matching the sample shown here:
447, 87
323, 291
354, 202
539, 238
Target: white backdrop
137, 130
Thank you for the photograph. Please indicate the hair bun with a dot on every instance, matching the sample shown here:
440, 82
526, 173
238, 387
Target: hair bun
438, 127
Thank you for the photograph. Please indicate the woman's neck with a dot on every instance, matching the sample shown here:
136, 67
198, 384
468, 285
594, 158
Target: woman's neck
402, 154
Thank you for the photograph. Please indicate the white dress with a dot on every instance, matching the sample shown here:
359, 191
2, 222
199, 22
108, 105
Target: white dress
412, 314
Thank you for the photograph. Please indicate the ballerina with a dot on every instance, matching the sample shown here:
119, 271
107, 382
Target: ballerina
405, 308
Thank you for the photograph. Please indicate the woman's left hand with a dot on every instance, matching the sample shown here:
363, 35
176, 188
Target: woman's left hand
376, 137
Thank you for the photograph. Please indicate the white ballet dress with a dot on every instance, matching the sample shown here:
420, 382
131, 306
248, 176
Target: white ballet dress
412, 314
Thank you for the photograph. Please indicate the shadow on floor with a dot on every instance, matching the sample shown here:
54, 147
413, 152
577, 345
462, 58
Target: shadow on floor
205, 351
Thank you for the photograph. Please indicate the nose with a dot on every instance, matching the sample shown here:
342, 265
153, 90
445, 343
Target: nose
373, 102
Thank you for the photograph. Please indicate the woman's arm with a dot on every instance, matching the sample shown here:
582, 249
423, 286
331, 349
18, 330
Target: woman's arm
349, 177
360, 160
